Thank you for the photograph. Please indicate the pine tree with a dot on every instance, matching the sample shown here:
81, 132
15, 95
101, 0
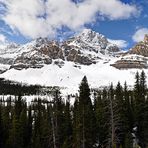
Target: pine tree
139, 109
101, 114
120, 116
87, 117
67, 126
129, 119
1, 129
57, 119
142, 111
76, 124
29, 127
23, 127
6, 123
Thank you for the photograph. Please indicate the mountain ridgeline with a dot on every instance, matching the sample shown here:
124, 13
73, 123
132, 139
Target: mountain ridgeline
85, 48
52, 63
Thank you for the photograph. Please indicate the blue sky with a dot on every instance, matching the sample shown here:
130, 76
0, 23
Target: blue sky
125, 21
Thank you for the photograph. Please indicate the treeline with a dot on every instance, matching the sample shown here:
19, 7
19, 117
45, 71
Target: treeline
112, 118
13, 88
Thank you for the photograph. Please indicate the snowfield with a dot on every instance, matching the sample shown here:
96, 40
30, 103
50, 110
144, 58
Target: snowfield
70, 75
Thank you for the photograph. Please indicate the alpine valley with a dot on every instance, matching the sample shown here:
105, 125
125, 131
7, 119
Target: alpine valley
63, 64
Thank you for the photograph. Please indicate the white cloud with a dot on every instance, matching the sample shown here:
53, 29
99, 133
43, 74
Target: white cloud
26, 16
119, 43
3, 41
139, 34
2, 38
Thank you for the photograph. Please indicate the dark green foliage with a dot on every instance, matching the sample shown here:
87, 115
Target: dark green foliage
13, 88
102, 120
106, 119
84, 125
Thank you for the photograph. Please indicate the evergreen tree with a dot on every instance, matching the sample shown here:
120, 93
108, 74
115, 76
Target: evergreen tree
1, 129
6, 124
128, 117
101, 114
142, 111
139, 109
23, 127
29, 127
76, 125
120, 118
87, 117
67, 126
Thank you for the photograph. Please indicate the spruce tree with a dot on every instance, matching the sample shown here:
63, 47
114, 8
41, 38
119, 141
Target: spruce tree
129, 119
139, 108
87, 117
67, 126
1, 129
76, 124
102, 119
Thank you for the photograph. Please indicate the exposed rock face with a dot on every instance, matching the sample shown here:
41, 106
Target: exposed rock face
85, 48
91, 41
141, 48
8, 61
113, 49
135, 58
77, 57
41, 53
131, 61
146, 38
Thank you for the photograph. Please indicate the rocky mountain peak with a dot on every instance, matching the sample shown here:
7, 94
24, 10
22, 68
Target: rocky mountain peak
146, 38
135, 58
89, 40
40, 41
12, 45
91, 37
86, 48
141, 48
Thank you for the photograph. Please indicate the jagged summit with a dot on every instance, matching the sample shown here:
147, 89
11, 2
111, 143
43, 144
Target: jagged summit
51, 63
91, 36
89, 40
136, 58
141, 48
146, 38
86, 48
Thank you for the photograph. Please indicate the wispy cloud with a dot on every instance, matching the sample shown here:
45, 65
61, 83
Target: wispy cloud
35, 18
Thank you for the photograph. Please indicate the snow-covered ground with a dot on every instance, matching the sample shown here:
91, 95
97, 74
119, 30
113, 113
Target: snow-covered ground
69, 77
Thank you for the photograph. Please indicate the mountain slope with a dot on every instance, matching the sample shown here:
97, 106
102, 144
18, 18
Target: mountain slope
69, 76
64, 64
137, 57
86, 48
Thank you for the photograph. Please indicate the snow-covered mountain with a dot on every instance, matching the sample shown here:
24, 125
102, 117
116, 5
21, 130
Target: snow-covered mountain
86, 48
64, 64
91, 41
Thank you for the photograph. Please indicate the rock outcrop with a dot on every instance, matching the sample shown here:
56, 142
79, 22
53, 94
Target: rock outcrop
131, 61
85, 48
141, 48
134, 58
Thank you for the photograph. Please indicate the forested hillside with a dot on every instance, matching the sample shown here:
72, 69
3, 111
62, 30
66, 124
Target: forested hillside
114, 117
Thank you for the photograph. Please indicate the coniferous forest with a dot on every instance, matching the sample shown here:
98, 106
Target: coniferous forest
115, 117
